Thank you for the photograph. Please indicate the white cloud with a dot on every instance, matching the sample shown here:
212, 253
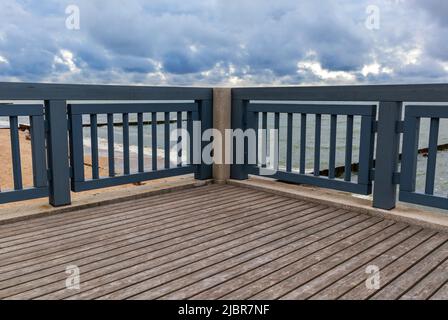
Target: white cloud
375, 69
65, 57
327, 75
4, 60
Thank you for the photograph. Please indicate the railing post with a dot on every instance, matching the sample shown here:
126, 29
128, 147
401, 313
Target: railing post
222, 105
238, 115
387, 155
204, 171
57, 152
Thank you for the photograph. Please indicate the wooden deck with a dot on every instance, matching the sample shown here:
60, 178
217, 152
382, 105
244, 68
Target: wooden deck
220, 242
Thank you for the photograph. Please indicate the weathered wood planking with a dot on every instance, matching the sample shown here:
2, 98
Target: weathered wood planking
220, 242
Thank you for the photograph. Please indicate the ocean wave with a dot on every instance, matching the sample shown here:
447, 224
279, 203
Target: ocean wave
133, 150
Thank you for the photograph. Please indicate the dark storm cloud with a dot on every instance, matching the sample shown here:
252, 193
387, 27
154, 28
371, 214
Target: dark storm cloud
224, 42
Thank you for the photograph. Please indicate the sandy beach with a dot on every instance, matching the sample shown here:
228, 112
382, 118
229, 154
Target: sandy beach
6, 174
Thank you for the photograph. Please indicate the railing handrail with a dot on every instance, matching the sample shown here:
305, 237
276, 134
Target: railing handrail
51, 91
394, 93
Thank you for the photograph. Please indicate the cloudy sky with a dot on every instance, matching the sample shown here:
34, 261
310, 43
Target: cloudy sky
224, 42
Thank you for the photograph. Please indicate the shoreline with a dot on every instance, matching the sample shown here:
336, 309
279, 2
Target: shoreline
6, 174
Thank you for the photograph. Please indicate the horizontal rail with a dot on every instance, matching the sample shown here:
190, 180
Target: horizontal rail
19, 110
311, 109
132, 178
410, 93
131, 108
44, 91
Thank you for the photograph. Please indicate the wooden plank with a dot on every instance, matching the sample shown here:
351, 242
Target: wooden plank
189, 263
259, 283
142, 243
17, 228
163, 251
296, 274
442, 293
188, 285
428, 285
87, 234
395, 269
325, 238
109, 231
407, 279
159, 211
218, 283
338, 288
120, 234
306, 290
107, 272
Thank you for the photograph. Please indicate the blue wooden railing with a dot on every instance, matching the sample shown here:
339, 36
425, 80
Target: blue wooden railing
57, 136
57, 122
380, 109
37, 128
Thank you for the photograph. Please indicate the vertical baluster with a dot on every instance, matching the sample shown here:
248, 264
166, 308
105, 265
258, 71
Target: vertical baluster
15, 152
366, 147
274, 155
256, 128
126, 156
332, 159
190, 137
37, 131
94, 145
111, 144
317, 139
348, 149
179, 138
289, 144
141, 161
302, 143
432, 156
264, 141
154, 140
76, 150
167, 139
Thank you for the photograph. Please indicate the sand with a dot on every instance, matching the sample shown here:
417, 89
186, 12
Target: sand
6, 174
